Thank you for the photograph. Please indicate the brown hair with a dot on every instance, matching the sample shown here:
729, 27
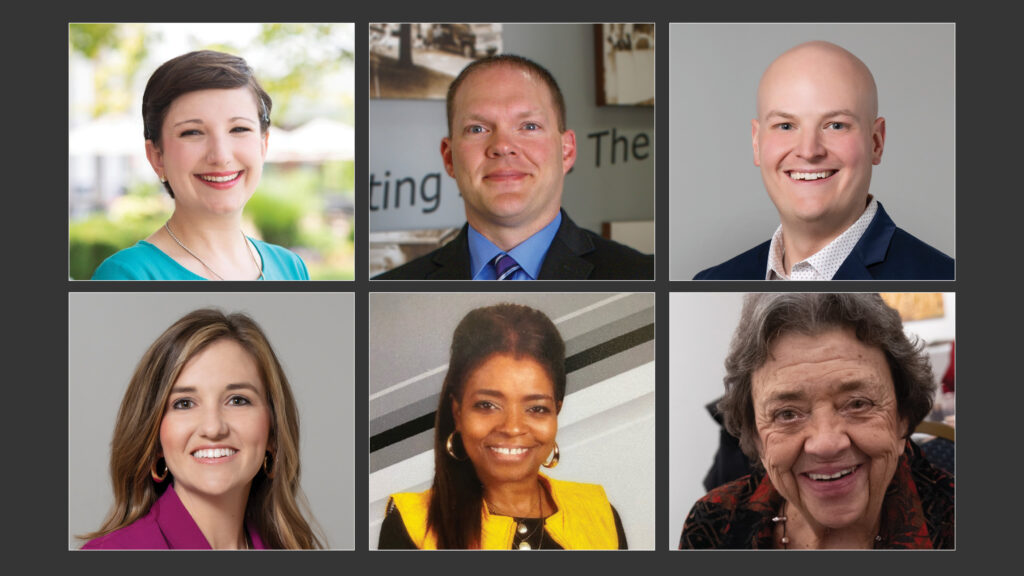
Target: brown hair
765, 317
201, 70
511, 60
456, 498
275, 504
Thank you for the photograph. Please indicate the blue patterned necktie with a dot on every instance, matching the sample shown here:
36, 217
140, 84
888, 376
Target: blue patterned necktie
505, 266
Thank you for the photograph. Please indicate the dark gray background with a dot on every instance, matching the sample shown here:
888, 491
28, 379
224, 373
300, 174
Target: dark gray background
718, 204
36, 289
312, 335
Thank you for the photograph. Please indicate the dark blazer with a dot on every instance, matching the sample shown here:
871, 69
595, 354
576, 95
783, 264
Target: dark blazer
575, 254
884, 252
167, 526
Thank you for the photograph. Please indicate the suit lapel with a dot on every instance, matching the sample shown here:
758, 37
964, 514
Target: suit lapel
870, 249
564, 258
176, 524
452, 259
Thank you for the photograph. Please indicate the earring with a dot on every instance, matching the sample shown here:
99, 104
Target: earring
163, 179
553, 461
158, 478
268, 467
451, 449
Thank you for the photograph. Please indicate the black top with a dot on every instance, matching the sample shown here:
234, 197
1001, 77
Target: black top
394, 536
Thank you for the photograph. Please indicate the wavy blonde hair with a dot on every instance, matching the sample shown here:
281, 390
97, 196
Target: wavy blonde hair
276, 505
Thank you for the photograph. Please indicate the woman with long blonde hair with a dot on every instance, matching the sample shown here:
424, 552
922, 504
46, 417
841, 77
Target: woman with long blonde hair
205, 452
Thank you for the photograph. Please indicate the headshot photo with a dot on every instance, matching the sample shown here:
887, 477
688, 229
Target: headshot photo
210, 421
812, 421
808, 152
211, 151
512, 421
538, 165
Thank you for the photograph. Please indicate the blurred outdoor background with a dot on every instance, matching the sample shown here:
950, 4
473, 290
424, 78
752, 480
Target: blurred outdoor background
305, 199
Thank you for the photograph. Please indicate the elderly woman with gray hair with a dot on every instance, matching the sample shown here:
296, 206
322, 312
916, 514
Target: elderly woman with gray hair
823, 392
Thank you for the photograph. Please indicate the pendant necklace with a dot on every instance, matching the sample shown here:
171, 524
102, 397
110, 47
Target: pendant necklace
167, 226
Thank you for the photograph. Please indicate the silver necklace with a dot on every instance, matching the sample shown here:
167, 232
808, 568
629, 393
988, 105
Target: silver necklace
167, 226
782, 518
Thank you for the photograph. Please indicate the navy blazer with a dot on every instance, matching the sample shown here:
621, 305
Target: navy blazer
884, 252
575, 254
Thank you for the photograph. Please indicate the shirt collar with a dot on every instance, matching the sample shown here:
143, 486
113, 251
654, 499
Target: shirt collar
824, 264
529, 253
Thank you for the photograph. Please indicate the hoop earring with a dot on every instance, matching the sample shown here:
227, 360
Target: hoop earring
553, 461
451, 449
268, 468
158, 478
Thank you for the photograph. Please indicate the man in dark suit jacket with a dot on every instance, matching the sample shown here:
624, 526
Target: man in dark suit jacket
884, 252
508, 150
816, 137
574, 254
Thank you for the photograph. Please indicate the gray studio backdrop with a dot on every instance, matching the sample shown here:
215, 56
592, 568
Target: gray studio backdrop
312, 335
606, 429
717, 197
700, 327
405, 142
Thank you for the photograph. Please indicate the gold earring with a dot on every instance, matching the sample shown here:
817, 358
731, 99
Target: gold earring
163, 179
553, 460
451, 450
158, 478
268, 469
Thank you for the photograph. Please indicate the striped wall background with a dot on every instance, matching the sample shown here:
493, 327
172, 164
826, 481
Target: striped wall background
606, 428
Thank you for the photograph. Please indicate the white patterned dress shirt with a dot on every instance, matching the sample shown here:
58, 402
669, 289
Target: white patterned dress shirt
824, 264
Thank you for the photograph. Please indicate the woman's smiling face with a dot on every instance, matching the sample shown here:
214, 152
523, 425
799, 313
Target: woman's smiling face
507, 418
829, 430
211, 150
216, 428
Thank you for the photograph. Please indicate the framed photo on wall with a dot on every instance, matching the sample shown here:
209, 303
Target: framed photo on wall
624, 57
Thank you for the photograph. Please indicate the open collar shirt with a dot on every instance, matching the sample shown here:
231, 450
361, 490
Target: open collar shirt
823, 264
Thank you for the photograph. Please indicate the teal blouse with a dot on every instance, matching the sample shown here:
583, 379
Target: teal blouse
144, 261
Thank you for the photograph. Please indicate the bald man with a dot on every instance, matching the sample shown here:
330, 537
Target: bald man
816, 137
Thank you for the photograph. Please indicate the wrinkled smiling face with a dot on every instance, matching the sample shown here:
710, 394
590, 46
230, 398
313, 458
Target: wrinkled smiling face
816, 139
505, 150
507, 418
829, 431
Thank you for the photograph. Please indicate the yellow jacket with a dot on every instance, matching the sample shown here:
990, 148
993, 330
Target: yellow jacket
584, 520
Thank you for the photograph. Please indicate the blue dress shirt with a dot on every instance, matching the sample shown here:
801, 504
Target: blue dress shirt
529, 253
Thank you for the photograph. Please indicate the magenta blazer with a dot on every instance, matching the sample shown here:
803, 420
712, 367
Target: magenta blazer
167, 526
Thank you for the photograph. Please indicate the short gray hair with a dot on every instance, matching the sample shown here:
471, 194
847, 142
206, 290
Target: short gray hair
765, 317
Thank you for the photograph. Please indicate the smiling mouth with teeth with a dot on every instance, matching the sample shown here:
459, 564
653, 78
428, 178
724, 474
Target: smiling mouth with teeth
213, 453
831, 477
228, 178
510, 451
794, 175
